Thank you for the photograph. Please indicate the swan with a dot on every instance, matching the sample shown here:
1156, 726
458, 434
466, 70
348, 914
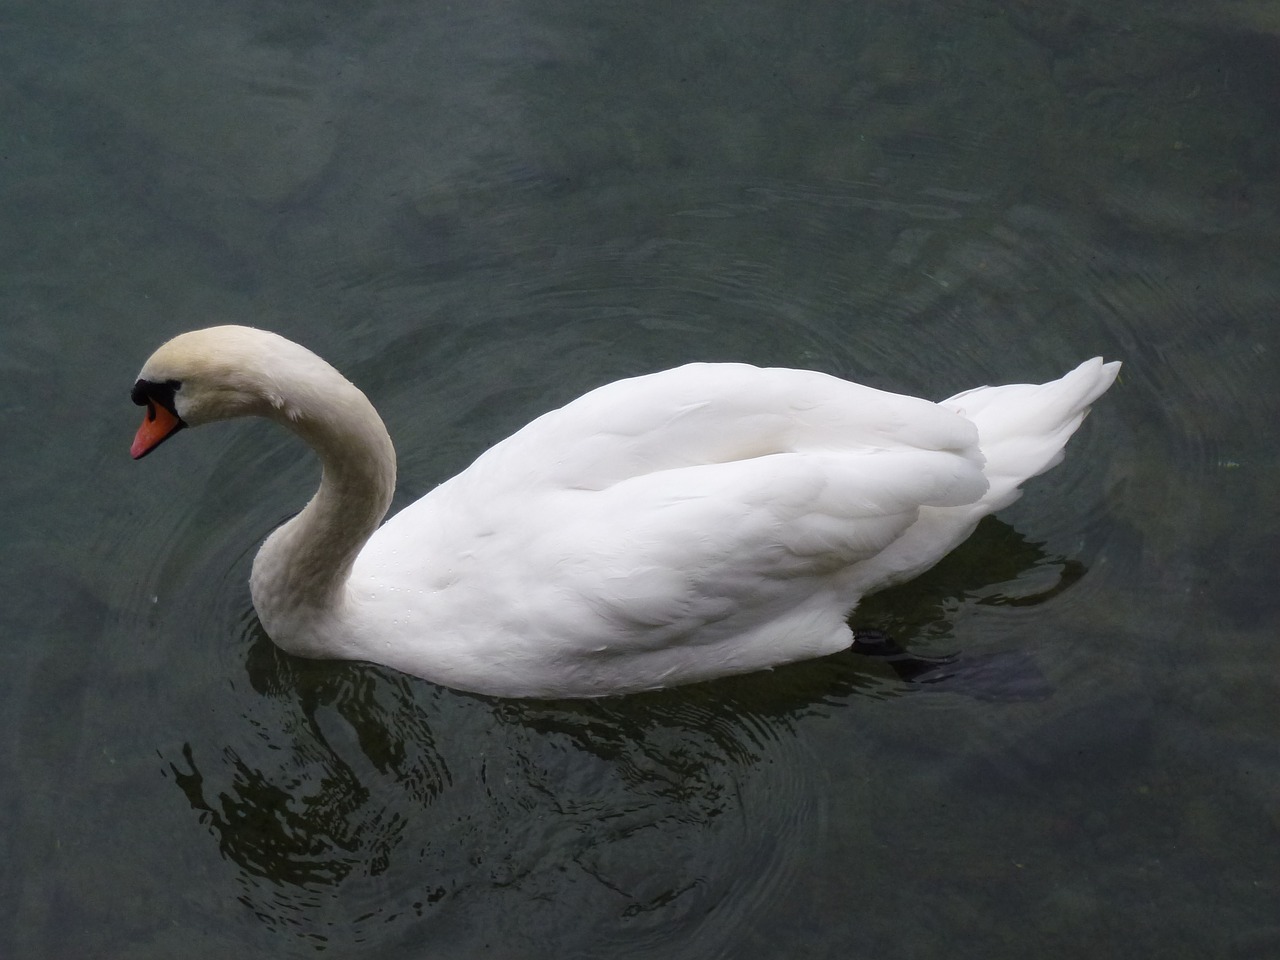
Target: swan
712, 519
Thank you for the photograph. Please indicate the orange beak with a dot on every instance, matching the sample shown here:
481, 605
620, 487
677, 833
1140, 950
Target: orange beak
158, 425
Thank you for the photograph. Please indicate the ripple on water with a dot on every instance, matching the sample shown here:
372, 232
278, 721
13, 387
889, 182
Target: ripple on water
356, 806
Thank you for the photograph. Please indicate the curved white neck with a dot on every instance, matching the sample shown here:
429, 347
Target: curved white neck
299, 579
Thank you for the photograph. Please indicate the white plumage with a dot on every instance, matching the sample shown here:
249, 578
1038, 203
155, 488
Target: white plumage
703, 521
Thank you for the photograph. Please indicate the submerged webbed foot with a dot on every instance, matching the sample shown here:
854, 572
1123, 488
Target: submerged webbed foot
908, 666
1007, 676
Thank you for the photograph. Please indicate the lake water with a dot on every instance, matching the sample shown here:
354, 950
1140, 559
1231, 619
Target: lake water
480, 210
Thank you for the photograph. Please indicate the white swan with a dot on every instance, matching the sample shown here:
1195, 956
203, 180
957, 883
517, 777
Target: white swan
708, 520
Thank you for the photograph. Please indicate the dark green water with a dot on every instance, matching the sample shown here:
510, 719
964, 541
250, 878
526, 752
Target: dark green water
480, 210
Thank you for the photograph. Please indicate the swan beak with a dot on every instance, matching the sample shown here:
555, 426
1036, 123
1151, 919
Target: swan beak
158, 425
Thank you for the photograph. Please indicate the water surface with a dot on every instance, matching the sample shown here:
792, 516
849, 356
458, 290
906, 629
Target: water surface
478, 211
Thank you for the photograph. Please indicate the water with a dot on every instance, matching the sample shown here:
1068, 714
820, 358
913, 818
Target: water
480, 211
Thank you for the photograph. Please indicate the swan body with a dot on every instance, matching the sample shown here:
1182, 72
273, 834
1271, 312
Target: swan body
703, 521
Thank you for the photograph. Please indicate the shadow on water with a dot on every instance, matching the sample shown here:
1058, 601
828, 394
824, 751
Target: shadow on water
361, 806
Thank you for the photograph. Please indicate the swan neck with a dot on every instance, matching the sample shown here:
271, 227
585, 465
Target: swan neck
300, 576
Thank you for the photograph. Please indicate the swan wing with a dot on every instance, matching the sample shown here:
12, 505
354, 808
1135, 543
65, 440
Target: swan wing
670, 553
662, 529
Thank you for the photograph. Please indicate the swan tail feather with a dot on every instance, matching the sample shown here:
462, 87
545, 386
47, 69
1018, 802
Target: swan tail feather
1023, 427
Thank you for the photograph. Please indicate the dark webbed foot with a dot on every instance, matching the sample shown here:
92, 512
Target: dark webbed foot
1010, 675
908, 666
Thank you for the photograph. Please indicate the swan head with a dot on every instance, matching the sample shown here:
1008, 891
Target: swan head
223, 372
